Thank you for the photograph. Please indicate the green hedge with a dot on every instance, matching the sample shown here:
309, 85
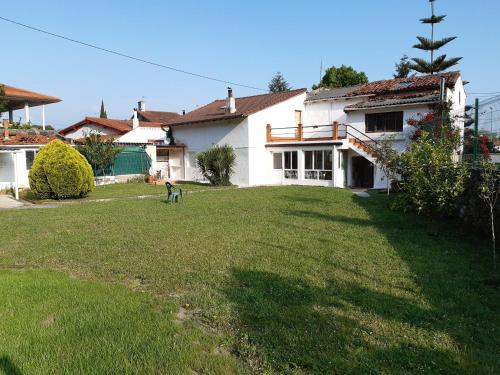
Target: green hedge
60, 172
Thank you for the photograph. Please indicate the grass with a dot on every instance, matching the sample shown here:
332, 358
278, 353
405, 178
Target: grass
123, 190
279, 280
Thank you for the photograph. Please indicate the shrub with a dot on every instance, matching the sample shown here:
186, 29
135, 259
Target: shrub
99, 153
431, 180
217, 164
59, 171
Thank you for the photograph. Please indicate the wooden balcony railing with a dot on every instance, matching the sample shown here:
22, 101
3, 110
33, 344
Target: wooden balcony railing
302, 133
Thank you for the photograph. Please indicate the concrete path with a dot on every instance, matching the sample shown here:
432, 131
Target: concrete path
13, 204
8, 202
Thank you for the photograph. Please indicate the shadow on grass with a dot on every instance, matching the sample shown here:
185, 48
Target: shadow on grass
298, 327
7, 367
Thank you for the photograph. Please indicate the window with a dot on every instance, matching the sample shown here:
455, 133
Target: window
318, 165
384, 122
290, 171
277, 160
30, 156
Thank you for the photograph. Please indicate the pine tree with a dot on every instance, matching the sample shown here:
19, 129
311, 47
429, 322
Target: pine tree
278, 83
103, 111
436, 64
403, 68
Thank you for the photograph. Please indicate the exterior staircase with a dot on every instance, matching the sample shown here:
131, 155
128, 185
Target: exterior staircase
362, 147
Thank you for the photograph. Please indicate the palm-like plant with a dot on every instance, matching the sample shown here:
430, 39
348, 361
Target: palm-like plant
217, 164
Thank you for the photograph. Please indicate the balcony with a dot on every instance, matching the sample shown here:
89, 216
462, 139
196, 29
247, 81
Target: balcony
300, 133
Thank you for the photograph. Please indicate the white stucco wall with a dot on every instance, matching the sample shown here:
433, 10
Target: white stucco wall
85, 130
7, 176
199, 137
279, 115
141, 135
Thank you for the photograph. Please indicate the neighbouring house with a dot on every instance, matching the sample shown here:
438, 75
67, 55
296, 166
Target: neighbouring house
154, 116
316, 138
17, 153
167, 156
144, 130
18, 147
107, 128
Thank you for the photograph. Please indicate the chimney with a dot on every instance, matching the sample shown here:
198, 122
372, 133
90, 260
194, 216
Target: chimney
135, 120
141, 104
230, 102
5, 129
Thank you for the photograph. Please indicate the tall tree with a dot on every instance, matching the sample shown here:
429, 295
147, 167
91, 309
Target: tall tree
278, 83
436, 64
103, 113
341, 77
403, 68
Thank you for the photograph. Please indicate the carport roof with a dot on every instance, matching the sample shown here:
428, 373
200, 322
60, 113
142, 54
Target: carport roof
16, 97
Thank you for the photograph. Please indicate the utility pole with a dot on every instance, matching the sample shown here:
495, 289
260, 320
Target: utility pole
432, 36
476, 133
442, 99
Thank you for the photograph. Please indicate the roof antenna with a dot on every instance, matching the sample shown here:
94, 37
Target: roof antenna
320, 73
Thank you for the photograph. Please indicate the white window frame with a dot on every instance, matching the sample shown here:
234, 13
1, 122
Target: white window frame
316, 171
291, 173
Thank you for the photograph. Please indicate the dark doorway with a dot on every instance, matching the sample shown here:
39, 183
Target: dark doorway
362, 172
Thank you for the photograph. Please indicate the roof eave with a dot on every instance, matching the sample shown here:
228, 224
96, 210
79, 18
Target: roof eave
390, 106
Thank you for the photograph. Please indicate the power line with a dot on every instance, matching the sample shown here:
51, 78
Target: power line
129, 56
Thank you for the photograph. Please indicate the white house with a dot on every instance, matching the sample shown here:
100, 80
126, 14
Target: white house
17, 153
18, 147
317, 138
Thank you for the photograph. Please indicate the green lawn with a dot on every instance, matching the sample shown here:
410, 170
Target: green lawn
126, 190
275, 279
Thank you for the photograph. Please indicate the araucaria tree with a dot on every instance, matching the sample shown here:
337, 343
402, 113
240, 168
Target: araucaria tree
343, 76
278, 83
439, 63
103, 113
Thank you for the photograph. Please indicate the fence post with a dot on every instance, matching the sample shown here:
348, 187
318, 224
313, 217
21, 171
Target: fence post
268, 133
300, 133
335, 130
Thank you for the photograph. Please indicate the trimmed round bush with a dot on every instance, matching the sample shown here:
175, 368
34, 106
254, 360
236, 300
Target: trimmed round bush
59, 172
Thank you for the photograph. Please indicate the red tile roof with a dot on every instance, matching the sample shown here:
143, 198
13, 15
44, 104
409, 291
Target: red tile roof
418, 83
157, 116
245, 106
396, 99
26, 139
121, 126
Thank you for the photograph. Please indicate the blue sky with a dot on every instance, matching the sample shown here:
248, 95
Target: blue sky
242, 41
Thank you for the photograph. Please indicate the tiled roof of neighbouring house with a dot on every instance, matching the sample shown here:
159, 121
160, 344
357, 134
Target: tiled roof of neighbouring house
157, 116
121, 126
28, 137
245, 106
389, 86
